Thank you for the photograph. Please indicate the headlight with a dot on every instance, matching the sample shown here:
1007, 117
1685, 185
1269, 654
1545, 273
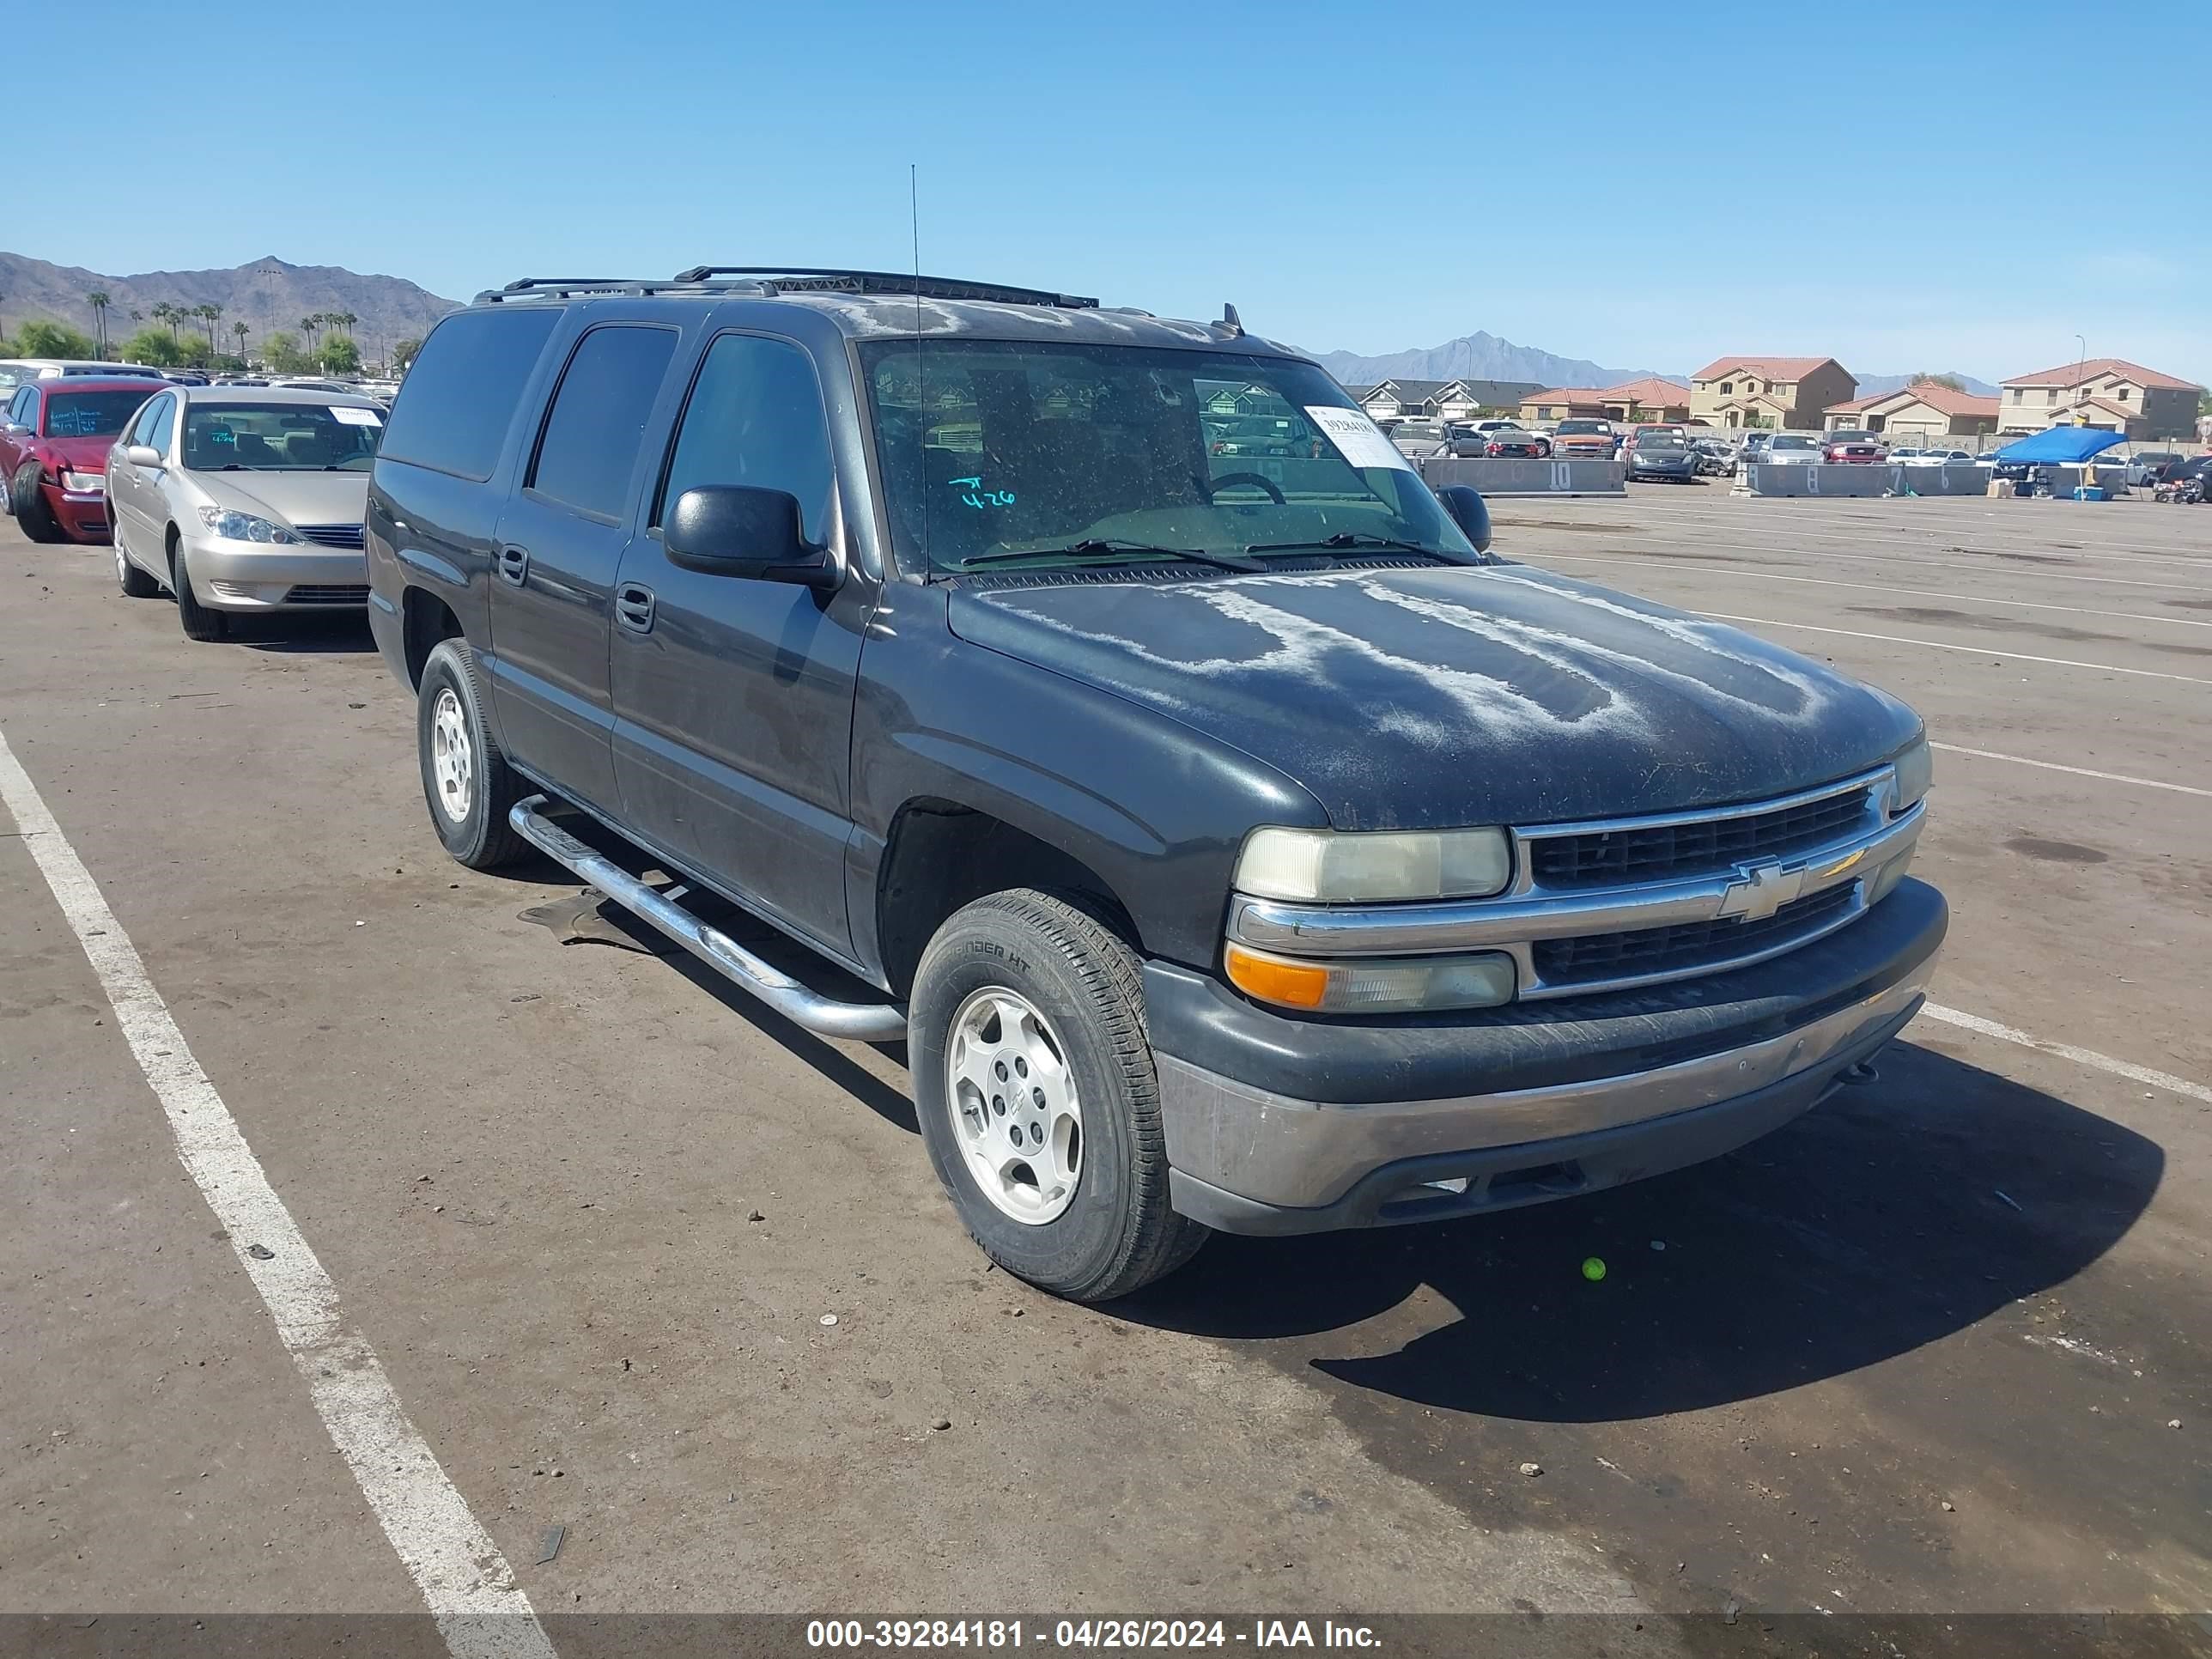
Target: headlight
1324, 867
233, 526
84, 480
1916, 770
1403, 985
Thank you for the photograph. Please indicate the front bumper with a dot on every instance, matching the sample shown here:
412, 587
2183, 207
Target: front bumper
81, 513
229, 575
1276, 1125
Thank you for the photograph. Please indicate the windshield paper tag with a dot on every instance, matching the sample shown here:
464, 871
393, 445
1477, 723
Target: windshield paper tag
1358, 439
351, 416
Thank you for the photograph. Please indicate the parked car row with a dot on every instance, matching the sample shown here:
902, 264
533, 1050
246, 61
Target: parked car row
233, 499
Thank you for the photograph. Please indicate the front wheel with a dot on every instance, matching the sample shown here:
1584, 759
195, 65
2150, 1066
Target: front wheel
31, 509
1034, 1084
466, 780
199, 622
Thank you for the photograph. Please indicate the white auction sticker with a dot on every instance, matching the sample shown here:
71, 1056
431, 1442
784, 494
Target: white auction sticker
1358, 439
352, 416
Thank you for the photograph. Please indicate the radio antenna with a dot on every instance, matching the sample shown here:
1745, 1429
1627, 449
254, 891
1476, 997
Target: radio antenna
920, 375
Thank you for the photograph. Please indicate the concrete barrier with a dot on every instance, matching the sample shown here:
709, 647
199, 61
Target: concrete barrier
1960, 478
1789, 479
1512, 477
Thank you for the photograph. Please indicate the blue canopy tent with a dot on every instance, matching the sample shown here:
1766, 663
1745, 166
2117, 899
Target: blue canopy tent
2059, 445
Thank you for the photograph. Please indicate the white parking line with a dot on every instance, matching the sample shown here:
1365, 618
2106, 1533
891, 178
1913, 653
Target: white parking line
1971, 650
1886, 587
2088, 1057
464, 1581
2078, 771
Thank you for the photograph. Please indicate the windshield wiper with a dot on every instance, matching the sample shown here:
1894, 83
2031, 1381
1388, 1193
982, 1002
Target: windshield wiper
1346, 538
1114, 548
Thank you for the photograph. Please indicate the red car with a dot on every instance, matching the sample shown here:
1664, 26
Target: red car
1845, 446
53, 452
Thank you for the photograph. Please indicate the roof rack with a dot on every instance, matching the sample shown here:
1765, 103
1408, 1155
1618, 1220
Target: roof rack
797, 279
769, 281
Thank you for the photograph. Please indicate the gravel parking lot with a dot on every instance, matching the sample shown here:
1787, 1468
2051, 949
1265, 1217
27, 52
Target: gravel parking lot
1937, 1347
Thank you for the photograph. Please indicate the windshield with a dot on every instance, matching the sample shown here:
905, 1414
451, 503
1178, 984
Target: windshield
281, 438
91, 414
993, 450
1791, 443
1603, 429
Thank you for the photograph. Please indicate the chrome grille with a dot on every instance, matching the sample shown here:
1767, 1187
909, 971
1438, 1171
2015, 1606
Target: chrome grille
1609, 858
328, 593
1687, 947
331, 535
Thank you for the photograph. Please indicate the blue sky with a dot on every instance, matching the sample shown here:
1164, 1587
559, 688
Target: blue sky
1858, 180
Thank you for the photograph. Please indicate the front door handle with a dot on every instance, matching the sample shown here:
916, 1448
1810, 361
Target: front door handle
513, 565
634, 607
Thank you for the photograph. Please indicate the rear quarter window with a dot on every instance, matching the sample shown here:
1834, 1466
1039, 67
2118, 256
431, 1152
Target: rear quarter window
458, 401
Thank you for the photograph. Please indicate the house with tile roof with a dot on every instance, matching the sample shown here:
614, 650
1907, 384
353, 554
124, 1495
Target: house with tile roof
2101, 391
1793, 393
1926, 409
1648, 399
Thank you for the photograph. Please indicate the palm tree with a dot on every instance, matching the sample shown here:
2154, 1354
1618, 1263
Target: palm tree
214, 318
172, 315
346, 320
98, 300
138, 316
311, 326
241, 331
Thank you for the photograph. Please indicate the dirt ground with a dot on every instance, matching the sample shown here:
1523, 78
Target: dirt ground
1938, 1348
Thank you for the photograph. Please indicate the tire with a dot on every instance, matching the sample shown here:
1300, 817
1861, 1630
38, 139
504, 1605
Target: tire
1113, 1229
135, 583
199, 623
31, 509
467, 784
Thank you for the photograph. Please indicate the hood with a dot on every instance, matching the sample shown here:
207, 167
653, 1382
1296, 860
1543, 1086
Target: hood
292, 498
79, 454
1432, 698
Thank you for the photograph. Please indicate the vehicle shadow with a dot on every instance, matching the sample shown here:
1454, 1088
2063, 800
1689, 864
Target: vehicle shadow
297, 632
609, 924
1892, 1216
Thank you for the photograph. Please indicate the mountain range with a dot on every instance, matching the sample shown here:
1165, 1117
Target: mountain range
264, 294
1477, 356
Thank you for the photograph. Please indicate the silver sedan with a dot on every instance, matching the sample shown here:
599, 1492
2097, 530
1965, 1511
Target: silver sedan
241, 499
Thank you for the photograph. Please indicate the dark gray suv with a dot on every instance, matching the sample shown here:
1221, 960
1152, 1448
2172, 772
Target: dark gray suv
1233, 840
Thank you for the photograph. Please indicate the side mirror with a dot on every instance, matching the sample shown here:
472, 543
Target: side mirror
1469, 511
143, 455
16, 429
735, 530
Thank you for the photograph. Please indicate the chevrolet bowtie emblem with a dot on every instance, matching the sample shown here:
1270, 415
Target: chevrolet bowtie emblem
1761, 889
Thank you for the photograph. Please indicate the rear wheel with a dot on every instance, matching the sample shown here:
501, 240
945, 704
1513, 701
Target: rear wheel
1033, 1085
31, 509
466, 781
135, 583
199, 623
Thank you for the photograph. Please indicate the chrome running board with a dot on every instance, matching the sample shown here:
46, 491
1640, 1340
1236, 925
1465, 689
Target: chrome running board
859, 1022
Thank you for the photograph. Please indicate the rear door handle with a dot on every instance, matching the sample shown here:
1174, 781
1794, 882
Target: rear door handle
513, 565
634, 607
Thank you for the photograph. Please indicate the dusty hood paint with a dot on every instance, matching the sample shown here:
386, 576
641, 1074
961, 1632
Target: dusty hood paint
290, 498
1437, 696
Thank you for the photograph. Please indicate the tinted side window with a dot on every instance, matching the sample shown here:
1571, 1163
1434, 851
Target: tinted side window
590, 445
457, 402
19, 407
755, 418
164, 417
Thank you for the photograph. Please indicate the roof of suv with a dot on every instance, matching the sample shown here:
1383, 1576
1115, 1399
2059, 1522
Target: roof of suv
885, 305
